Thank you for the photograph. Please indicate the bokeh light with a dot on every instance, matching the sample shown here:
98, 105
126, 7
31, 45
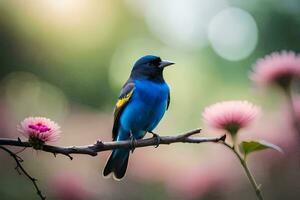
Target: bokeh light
181, 24
26, 96
233, 34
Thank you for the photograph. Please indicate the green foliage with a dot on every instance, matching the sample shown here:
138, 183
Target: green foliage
248, 147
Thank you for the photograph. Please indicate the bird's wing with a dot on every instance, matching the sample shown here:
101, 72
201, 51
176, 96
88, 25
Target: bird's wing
126, 94
169, 99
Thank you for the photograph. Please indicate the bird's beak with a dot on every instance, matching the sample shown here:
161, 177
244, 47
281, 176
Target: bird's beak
165, 63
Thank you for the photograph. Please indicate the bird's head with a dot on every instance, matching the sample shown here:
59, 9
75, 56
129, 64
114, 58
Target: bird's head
149, 67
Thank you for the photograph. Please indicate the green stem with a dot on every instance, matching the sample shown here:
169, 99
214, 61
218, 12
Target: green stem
295, 120
288, 94
248, 173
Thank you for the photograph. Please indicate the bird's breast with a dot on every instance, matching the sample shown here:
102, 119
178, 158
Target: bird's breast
147, 106
151, 93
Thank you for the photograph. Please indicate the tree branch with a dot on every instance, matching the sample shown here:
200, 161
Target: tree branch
100, 146
20, 167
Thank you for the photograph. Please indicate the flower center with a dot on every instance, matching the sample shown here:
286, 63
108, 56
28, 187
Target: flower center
35, 142
39, 127
284, 81
232, 127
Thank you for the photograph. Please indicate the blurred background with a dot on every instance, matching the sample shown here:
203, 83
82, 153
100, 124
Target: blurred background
68, 59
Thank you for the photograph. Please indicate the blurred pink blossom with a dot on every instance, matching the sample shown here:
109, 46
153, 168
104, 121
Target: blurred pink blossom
211, 174
39, 128
277, 68
275, 127
230, 115
187, 174
69, 186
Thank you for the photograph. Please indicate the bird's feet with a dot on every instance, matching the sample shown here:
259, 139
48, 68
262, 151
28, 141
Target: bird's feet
132, 143
158, 139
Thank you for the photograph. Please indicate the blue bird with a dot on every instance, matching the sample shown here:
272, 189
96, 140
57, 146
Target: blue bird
141, 105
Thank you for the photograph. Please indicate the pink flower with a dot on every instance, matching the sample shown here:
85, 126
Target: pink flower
39, 129
277, 68
230, 115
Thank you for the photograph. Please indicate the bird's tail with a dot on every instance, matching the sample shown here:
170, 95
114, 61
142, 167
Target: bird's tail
117, 163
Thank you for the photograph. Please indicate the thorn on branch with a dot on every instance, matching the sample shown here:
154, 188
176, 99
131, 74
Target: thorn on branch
65, 153
99, 143
223, 138
71, 158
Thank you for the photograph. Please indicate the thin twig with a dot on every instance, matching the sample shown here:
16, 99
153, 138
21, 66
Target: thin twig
247, 171
100, 146
20, 151
20, 167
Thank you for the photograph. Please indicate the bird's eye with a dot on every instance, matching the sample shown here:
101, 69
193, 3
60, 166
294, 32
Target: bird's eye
154, 63
151, 64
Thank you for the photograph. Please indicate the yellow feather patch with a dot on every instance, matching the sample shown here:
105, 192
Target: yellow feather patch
123, 100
